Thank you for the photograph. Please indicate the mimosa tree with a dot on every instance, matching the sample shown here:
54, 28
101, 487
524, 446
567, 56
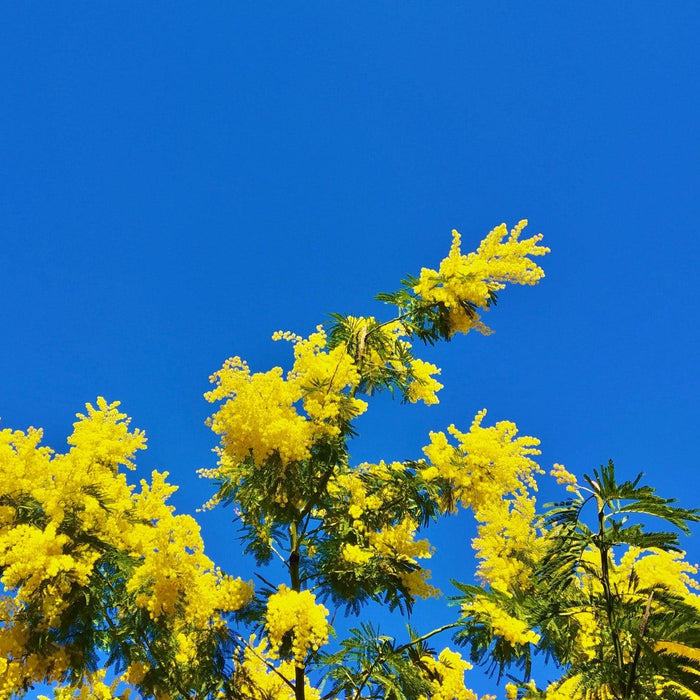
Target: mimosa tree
109, 594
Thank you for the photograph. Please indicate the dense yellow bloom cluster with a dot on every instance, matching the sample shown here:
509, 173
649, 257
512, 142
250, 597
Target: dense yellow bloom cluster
473, 278
588, 636
447, 677
639, 572
259, 677
397, 542
424, 387
486, 463
492, 471
565, 478
76, 506
572, 689
299, 613
387, 545
656, 568
323, 376
93, 687
511, 691
503, 625
351, 488
176, 572
507, 542
258, 416
266, 413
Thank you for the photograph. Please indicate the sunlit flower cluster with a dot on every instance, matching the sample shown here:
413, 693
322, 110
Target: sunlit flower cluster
424, 387
94, 686
486, 463
503, 625
507, 542
447, 677
572, 688
299, 613
565, 478
472, 279
258, 416
388, 545
260, 677
266, 413
62, 512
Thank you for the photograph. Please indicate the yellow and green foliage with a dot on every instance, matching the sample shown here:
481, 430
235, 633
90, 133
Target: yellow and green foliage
107, 593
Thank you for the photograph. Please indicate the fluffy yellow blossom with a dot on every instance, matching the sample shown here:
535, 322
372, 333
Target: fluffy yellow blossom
266, 413
102, 436
588, 636
472, 279
397, 542
81, 507
424, 387
258, 416
174, 571
572, 689
354, 554
259, 677
511, 691
92, 687
323, 376
503, 625
656, 568
447, 677
300, 614
487, 463
507, 542
565, 478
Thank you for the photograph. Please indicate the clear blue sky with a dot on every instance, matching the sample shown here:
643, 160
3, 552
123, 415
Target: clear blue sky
179, 180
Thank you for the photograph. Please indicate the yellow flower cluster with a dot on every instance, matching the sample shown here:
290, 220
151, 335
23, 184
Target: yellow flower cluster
259, 677
174, 570
70, 496
388, 544
299, 613
424, 387
638, 572
588, 636
507, 543
102, 436
447, 677
258, 416
572, 689
92, 687
491, 470
486, 464
351, 488
656, 568
354, 554
503, 625
323, 376
511, 691
397, 542
565, 478
473, 278
262, 412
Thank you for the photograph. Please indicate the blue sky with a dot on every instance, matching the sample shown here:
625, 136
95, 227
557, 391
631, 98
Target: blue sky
179, 181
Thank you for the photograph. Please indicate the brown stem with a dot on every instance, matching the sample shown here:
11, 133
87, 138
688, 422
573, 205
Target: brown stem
607, 591
638, 650
295, 578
